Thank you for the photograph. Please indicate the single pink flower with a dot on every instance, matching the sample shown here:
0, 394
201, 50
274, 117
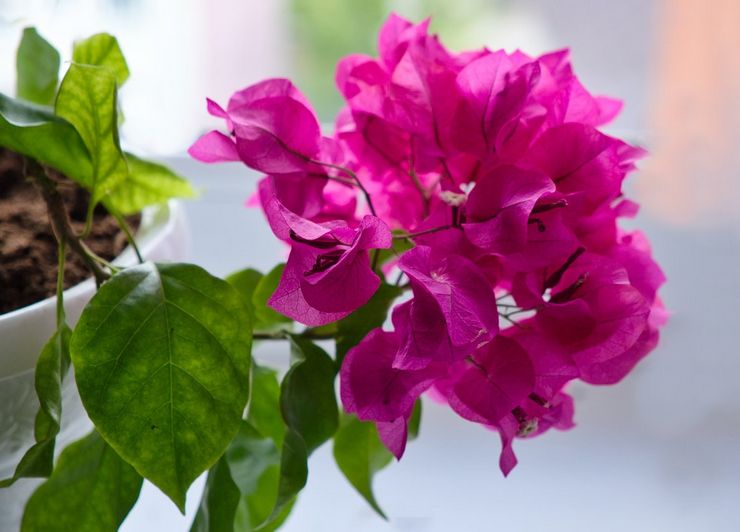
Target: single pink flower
373, 389
495, 95
496, 379
328, 275
273, 128
532, 419
587, 166
497, 212
594, 313
453, 311
566, 99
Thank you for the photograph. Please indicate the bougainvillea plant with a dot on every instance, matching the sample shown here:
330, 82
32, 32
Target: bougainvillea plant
490, 167
456, 237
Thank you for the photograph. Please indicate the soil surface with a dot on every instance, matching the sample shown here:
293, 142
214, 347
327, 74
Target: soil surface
28, 249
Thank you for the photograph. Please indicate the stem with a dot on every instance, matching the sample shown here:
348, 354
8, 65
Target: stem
88, 220
517, 311
353, 176
61, 257
423, 192
123, 224
425, 232
282, 335
60, 223
514, 323
341, 180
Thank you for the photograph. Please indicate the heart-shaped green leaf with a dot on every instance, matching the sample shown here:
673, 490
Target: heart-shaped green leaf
87, 99
102, 50
38, 133
161, 357
37, 68
91, 490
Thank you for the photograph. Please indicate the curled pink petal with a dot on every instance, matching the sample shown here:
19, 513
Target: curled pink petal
214, 147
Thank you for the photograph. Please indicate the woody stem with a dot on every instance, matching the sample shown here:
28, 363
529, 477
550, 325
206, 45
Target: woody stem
60, 223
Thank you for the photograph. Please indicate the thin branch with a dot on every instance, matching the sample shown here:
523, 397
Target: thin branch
423, 192
355, 178
425, 232
61, 259
123, 224
88, 220
376, 257
346, 182
60, 223
514, 323
283, 335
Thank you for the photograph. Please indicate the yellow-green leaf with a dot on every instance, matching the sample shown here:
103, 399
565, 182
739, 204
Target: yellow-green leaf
102, 50
87, 100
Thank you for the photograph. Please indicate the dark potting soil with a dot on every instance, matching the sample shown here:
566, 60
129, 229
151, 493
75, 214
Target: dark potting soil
28, 250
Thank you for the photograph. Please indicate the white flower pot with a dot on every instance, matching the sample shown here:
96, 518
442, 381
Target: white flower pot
162, 236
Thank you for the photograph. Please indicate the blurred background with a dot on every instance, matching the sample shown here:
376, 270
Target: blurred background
660, 451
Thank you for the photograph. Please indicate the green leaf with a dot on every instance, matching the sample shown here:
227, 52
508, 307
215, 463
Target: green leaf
37, 67
256, 507
354, 327
219, 502
38, 461
266, 319
147, 184
91, 490
38, 133
292, 478
87, 100
264, 405
309, 408
360, 454
242, 488
307, 399
102, 50
162, 357
415, 420
254, 461
245, 281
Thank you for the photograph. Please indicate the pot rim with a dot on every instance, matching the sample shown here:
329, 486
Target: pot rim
155, 220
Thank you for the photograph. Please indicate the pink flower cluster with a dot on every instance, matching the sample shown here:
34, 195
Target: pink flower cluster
492, 165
